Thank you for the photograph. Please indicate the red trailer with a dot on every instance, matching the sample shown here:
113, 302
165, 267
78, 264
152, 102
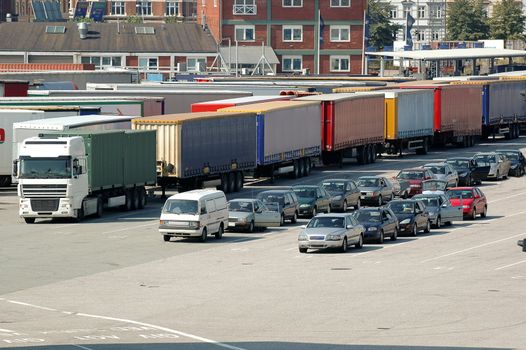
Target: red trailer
213, 106
457, 112
352, 126
13, 88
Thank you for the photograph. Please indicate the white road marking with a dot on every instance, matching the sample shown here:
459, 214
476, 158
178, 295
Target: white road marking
6, 330
471, 248
129, 228
82, 347
107, 318
510, 265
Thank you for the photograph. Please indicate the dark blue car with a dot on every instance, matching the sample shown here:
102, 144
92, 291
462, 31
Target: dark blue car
378, 223
518, 162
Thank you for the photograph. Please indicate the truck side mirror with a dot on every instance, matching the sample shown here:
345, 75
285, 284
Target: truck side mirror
15, 168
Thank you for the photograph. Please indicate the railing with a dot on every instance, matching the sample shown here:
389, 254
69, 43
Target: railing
245, 10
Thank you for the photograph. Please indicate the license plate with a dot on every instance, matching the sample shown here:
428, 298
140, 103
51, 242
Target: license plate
231, 224
317, 238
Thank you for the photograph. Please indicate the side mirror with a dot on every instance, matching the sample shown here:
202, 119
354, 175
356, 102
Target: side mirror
444, 205
15, 168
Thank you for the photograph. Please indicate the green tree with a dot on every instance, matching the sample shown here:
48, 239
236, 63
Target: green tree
466, 20
382, 32
507, 21
134, 19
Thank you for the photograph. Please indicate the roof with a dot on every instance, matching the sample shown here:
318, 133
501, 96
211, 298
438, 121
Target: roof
182, 117
244, 100
335, 97
248, 54
435, 55
196, 194
106, 37
73, 121
269, 106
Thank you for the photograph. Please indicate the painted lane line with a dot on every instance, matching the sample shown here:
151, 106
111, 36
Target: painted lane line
130, 228
123, 320
471, 248
510, 265
6, 330
81, 347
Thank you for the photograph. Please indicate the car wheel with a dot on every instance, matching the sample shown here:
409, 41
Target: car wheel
166, 238
344, 206
303, 250
380, 201
474, 214
314, 212
29, 220
439, 222
414, 232
428, 227
381, 237
251, 227
282, 220
359, 245
294, 218
204, 235
219, 233
394, 236
484, 212
344, 245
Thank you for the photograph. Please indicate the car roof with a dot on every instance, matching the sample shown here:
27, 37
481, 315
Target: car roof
336, 215
243, 200
197, 194
413, 169
403, 201
336, 179
430, 195
461, 188
459, 158
371, 209
508, 150
434, 164
371, 177
485, 153
306, 186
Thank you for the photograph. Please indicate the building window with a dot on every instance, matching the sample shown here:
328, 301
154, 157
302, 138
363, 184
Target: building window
340, 33
292, 3
340, 64
340, 3
245, 33
102, 62
421, 11
393, 13
292, 33
420, 35
117, 8
172, 8
148, 63
292, 64
435, 35
245, 7
144, 8
196, 64
439, 12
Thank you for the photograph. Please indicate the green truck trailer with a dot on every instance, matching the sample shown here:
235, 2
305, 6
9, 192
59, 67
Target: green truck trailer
74, 174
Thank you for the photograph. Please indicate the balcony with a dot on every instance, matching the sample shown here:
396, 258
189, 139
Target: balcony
245, 10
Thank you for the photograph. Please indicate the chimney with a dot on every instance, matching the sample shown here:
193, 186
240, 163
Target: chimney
83, 30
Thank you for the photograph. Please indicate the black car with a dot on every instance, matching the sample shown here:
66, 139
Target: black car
285, 201
378, 223
312, 199
469, 172
412, 216
344, 192
518, 161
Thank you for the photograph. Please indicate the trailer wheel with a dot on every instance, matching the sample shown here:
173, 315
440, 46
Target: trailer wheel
307, 166
240, 179
303, 167
296, 171
373, 150
128, 201
100, 207
141, 193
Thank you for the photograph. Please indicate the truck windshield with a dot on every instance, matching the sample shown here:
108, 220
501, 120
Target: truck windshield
45, 168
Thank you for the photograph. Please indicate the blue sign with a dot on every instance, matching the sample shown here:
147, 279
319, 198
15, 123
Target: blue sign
81, 9
98, 10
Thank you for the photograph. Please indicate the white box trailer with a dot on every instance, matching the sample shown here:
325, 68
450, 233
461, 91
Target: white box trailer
7, 118
32, 128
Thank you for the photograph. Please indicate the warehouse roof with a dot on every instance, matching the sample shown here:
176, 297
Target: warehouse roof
436, 55
106, 37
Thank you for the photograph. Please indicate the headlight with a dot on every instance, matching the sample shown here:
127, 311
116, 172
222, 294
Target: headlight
303, 237
334, 237
194, 224
432, 214
372, 229
337, 198
405, 221
242, 220
415, 186
304, 205
463, 174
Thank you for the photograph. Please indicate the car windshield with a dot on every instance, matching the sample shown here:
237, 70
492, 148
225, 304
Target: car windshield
334, 186
429, 202
368, 216
485, 160
457, 194
180, 206
434, 185
326, 221
368, 182
459, 164
436, 169
272, 198
240, 206
305, 192
401, 207
411, 175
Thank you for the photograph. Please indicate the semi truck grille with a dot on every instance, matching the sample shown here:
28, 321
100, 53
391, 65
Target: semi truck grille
44, 191
44, 204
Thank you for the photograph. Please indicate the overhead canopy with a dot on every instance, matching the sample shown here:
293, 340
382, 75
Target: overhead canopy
248, 54
452, 54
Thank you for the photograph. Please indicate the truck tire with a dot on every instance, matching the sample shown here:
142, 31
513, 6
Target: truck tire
303, 167
374, 151
80, 215
29, 220
360, 157
240, 179
308, 165
142, 197
296, 171
100, 207
135, 198
128, 201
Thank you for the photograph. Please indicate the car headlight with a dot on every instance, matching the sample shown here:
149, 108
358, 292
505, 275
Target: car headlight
337, 198
334, 237
405, 221
194, 224
372, 229
242, 220
463, 174
304, 205
303, 237
415, 186
432, 214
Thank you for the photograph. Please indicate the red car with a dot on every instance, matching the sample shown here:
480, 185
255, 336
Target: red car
415, 176
472, 200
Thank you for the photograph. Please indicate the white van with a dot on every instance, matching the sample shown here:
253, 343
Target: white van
195, 213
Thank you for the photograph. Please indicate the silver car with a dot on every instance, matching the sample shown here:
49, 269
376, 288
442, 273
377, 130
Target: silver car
445, 172
327, 231
249, 214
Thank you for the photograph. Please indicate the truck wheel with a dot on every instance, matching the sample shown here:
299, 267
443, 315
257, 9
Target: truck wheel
303, 170
100, 207
307, 166
128, 201
80, 215
29, 220
135, 198
296, 172
142, 197
373, 150
240, 179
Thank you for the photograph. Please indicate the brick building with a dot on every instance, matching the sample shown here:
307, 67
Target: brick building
148, 10
292, 28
